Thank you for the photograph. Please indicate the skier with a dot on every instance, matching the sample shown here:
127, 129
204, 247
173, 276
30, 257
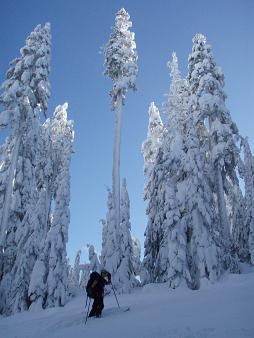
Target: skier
95, 290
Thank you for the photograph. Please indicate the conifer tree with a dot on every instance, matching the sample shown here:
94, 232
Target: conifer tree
52, 262
24, 96
151, 154
152, 143
121, 66
245, 237
110, 252
203, 254
124, 278
93, 259
136, 248
77, 269
162, 209
57, 237
216, 131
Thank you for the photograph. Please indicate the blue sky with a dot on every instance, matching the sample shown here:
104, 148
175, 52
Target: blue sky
79, 29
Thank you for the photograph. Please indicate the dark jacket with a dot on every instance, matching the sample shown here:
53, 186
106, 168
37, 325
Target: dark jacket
96, 284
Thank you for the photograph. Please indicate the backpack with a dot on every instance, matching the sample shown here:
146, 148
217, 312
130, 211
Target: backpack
94, 275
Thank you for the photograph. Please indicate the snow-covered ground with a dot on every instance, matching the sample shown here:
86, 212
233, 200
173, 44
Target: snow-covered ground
223, 310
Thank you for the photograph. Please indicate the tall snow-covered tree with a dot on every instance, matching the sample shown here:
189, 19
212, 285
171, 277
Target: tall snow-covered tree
217, 133
121, 66
150, 150
50, 270
195, 195
162, 209
24, 95
57, 237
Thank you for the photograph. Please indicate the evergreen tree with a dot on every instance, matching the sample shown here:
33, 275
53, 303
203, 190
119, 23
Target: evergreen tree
245, 238
85, 274
217, 133
77, 269
203, 254
124, 278
121, 66
25, 94
93, 259
62, 140
110, 252
151, 153
172, 163
152, 143
162, 207
52, 262
136, 249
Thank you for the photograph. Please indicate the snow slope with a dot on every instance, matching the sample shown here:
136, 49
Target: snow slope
223, 310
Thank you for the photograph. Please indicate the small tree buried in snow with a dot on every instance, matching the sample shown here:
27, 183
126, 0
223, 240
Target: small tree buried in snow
93, 259
118, 257
110, 252
121, 66
124, 278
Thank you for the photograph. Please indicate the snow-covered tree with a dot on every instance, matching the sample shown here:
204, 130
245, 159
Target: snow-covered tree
124, 278
25, 94
203, 254
121, 66
236, 211
217, 133
152, 143
85, 274
136, 249
77, 268
93, 259
52, 262
162, 209
176, 105
245, 238
152, 155
110, 252
62, 144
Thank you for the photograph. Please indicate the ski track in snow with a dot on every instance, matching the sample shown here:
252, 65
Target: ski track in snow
223, 310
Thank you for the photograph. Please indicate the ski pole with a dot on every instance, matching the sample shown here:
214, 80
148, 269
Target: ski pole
115, 295
88, 309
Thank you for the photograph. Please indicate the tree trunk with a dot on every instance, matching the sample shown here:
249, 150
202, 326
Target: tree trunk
116, 161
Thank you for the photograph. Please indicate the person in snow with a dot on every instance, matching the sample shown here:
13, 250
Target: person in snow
95, 290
